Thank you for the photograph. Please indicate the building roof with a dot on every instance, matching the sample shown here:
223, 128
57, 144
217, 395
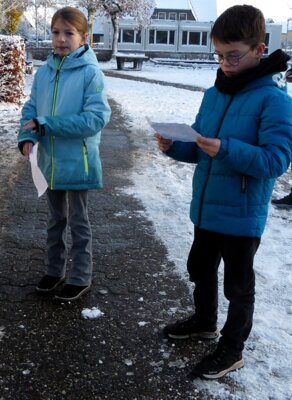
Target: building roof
202, 10
174, 4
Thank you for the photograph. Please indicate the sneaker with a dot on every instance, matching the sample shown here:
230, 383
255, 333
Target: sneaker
218, 364
49, 283
285, 202
71, 292
187, 328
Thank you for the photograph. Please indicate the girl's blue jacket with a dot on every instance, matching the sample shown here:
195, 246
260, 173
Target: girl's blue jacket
69, 102
231, 192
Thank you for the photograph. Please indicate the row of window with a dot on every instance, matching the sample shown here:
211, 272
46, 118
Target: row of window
164, 37
173, 16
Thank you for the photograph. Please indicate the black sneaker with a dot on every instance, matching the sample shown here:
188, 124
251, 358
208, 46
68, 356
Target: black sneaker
49, 283
285, 202
71, 292
218, 364
187, 328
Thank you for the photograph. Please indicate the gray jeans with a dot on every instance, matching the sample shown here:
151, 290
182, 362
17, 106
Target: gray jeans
69, 207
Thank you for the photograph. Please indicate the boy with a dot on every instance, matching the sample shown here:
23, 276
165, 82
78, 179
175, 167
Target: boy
246, 122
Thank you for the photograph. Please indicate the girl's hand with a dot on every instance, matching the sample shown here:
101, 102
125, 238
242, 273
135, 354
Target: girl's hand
27, 149
30, 125
208, 145
163, 144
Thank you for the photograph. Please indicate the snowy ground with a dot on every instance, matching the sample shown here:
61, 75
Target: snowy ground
164, 187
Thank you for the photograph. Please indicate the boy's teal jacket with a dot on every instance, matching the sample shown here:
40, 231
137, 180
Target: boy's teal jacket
231, 192
68, 98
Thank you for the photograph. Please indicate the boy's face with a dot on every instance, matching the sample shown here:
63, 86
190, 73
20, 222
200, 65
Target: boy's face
66, 38
236, 57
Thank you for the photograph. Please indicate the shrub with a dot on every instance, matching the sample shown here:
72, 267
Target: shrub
12, 69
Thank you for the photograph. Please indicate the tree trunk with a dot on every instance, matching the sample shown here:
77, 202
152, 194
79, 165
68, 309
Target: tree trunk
90, 26
115, 23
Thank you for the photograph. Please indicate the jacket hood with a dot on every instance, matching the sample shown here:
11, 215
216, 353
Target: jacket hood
84, 55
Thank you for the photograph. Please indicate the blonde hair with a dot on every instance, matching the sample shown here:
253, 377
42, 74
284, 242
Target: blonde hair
73, 16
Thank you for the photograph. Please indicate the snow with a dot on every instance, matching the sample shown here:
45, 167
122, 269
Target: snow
164, 187
91, 313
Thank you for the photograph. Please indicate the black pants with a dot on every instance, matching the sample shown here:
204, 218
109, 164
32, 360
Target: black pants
237, 253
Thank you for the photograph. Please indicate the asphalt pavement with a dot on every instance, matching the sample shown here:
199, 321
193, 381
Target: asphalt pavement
49, 351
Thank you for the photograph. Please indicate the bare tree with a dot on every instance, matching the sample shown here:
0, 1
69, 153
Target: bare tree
140, 10
38, 5
92, 7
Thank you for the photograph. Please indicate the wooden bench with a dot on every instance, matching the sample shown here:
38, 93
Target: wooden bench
135, 59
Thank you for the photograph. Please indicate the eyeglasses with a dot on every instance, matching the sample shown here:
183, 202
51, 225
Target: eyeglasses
232, 60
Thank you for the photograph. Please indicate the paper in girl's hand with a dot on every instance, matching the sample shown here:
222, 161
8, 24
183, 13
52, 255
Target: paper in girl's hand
175, 131
37, 176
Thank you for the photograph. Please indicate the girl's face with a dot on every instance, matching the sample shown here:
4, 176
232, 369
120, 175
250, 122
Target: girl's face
236, 57
66, 38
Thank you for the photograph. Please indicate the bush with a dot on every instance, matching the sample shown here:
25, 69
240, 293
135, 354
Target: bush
12, 69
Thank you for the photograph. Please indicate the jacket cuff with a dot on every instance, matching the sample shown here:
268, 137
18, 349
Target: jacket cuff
40, 126
223, 150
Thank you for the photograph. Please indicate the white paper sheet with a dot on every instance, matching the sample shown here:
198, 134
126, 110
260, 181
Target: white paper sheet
37, 176
175, 131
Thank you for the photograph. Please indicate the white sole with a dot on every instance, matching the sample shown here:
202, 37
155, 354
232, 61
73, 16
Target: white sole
237, 365
72, 298
201, 335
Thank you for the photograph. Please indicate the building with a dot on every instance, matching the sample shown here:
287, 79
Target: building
177, 31
180, 11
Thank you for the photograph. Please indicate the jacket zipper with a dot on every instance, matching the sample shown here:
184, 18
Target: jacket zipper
53, 113
85, 157
210, 163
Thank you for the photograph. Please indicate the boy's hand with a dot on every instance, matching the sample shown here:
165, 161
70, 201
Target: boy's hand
163, 144
209, 146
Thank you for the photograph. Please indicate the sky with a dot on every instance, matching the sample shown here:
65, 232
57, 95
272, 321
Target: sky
164, 188
278, 10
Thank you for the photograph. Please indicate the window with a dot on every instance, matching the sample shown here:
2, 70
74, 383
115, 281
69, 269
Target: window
172, 16
267, 41
161, 37
171, 37
129, 36
204, 38
194, 38
161, 15
182, 16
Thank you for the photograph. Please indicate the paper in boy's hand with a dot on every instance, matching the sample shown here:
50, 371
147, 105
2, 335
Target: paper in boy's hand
175, 131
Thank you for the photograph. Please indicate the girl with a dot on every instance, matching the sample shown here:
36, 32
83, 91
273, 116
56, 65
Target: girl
65, 113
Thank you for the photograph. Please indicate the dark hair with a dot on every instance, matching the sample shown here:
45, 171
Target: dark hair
73, 16
240, 24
